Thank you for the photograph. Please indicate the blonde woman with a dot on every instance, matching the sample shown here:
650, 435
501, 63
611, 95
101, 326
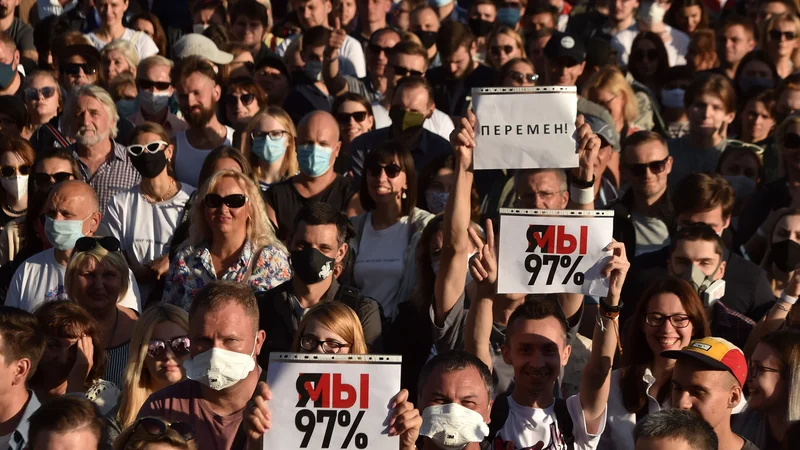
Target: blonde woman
119, 57
160, 345
504, 45
230, 238
330, 327
782, 41
42, 98
268, 143
609, 89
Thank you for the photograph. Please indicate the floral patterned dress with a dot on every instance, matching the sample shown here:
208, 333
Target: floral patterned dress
192, 269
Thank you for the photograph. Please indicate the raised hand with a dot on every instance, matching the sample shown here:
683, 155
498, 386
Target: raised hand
257, 418
462, 138
83, 365
588, 148
483, 266
616, 269
405, 421
336, 40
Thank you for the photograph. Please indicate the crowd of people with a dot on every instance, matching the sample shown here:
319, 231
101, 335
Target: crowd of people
189, 186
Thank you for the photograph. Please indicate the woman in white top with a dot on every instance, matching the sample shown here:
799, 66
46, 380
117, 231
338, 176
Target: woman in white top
668, 316
387, 234
145, 217
111, 28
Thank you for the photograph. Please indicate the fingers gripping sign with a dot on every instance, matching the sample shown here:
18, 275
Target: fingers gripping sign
462, 138
588, 147
483, 265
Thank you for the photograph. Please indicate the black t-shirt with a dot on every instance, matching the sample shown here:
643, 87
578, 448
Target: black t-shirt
451, 95
286, 201
22, 34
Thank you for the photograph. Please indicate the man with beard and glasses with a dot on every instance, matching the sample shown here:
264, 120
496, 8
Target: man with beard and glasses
10, 79
198, 94
91, 119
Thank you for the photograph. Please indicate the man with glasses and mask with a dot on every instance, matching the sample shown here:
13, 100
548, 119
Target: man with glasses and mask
155, 90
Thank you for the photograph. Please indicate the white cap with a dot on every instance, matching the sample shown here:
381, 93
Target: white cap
198, 45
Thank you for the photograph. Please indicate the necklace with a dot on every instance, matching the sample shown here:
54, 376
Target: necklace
172, 190
14, 212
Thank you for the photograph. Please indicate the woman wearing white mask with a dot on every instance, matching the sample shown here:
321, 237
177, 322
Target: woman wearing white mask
154, 83
111, 13
16, 158
269, 144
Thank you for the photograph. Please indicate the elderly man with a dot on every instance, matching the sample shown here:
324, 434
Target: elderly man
104, 163
72, 212
223, 322
155, 89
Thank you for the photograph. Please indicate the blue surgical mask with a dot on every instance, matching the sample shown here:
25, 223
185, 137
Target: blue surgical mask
508, 16
313, 70
314, 160
268, 149
63, 233
127, 107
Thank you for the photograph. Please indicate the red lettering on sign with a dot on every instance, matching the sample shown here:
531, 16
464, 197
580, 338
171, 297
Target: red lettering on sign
344, 395
364, 404
545, 240
584, 238
566, 242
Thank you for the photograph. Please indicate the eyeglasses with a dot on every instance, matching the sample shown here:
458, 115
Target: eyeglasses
147, 85
86, 244
655, 167
392, 170
658, 319
33, 93
755, 369
504, 49
735, 143
75, 69
234, 201
776, 35
377, 49
42, 179
157, 348
310, 342
649, 55
157, 427
532, 196
791, 140
344, 118
10, 171
246, 99
522, 78
403, 72
153, 147
273, 134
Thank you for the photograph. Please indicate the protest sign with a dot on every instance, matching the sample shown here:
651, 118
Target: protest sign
322, 401
525, 128
552, 251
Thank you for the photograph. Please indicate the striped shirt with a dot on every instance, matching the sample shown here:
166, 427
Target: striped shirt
115, 175
116, 360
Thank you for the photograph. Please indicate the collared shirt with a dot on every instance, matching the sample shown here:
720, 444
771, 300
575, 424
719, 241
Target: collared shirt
19, 439
192, 269
173, 125
115, 175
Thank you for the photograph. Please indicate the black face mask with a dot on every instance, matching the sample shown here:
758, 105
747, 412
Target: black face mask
149, 165
785, 255
480, 27
311, 265
428, 38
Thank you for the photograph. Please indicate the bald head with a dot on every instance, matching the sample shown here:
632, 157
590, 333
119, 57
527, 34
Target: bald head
74, 200
321, 128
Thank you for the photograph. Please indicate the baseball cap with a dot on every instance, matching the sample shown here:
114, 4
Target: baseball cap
716, 353
194, 44
565, 46
607, 132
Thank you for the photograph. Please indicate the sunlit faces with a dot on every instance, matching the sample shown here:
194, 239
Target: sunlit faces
377, 53
198, 96
502, 49
519, 75
735, 42
383, 188
400, 64
711, 217
757, 120
327, 341
624, 9
708, 114
225, 219
98, 285
349, 10
708, 392
228, 327
145, 26
92, 121
147, 138
79, 439
541, 190
41, 106
226, 164
114, 63
768, 389
268, 124
83, 77
464, 387
699, 253
111, 11
789, 102
653, 182
783, 39
666, 336
312, 13
537, 349
349, 125
691, 17
563, 72
787, 227
241, 106
169, 367
459, 64
614, 103
414, 99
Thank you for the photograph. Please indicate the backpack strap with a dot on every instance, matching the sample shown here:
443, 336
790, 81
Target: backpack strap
59, 137
565, 425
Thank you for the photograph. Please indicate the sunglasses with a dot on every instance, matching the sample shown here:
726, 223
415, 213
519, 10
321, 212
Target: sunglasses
42, 179
231, 201
75, 69
246, 99
153, 147
776, 35
521, 78
10, 171
157, 348
403, 72
377, 49
655, 167
344, 118
157, 427
274, 134
649, 55
392, 170
33, 93
86, 244
497, 50
792, 141
148, 85
737, 144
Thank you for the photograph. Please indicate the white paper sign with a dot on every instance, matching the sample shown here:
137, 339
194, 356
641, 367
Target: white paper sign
547, 251
331, 401
525, 128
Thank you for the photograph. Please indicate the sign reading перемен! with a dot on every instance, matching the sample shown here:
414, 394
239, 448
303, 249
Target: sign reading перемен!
525, 128
322, 401
553, 251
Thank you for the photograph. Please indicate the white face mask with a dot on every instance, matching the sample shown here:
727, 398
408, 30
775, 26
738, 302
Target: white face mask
453, 426
220, 369
16, 186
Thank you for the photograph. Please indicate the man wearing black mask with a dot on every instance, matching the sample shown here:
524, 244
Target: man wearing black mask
318, 251
425, 24
412, 103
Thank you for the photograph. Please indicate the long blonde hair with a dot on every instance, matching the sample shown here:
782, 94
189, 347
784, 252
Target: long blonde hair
289, 166
137, 383
613, 81
340, 319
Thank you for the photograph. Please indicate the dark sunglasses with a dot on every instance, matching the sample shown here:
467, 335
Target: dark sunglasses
655, 167
157, 427
246, 99
231, 201
776, 35
650, 55
10, 171
403, 72
33, 93
344, 118
377, 49
86, 244
504, 49
792, 141
147, 85
153, 147
520, 77
157, 348
46, 180
392, 170
75, 69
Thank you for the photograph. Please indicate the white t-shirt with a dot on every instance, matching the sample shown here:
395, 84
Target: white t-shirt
351, 56
526, 427
40, 279
189, 160
439, 122
677, 48
379, 264
143, 44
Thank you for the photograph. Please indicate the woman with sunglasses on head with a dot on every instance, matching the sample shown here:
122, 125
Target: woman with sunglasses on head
502, 46
648, 61
668, 317
518, 72
609, 89
243, 100
354, 114
230, 239
388, 232
16, 158
159, 346
782, 42
154, 433
42, 99
268, 143
145, 216
97, 278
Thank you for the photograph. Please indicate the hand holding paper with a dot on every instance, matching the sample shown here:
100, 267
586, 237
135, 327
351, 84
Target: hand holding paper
587, 150
483, 265
257, 419
616, 270
462, 138
405, 421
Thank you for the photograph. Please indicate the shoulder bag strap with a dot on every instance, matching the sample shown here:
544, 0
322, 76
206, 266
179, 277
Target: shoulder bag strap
59, 137
252, 265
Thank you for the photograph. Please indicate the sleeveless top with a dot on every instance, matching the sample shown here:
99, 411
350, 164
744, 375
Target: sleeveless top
189, 160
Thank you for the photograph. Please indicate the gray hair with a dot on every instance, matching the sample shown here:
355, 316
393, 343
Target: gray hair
97, 93
677, 424
456, 360
126, 48
153, 61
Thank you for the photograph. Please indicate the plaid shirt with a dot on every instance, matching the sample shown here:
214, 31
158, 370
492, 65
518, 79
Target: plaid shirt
731, 325
116, 174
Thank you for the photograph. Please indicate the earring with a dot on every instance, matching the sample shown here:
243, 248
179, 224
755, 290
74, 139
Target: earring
403, 196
